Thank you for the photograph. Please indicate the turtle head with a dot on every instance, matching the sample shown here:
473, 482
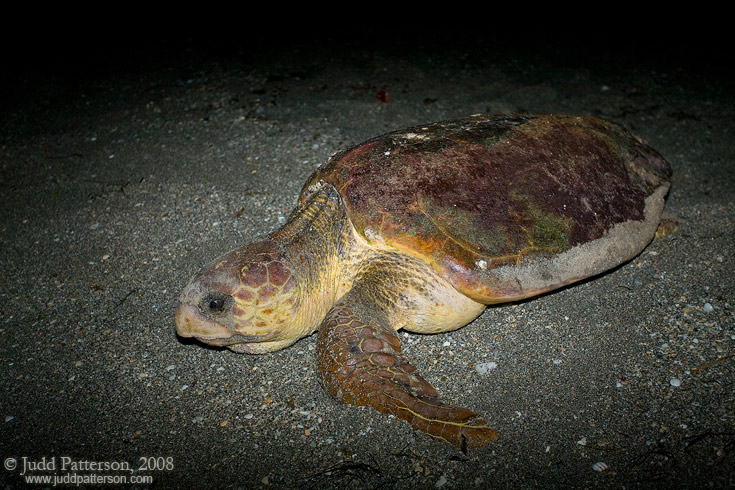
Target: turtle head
246, 300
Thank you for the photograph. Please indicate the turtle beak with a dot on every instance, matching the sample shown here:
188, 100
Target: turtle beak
191, 323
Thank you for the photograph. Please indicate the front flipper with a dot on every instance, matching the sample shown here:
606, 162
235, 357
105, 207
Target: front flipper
361, 363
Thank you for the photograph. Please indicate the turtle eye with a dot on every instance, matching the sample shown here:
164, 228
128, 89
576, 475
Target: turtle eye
215, 303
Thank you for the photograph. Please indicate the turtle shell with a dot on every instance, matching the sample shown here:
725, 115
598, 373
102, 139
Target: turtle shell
505, 207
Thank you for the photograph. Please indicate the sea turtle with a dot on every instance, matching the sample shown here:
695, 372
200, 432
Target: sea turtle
421, 229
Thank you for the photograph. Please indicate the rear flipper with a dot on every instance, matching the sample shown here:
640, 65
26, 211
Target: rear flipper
361, 363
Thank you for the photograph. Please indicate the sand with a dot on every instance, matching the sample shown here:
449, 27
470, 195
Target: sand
125, 170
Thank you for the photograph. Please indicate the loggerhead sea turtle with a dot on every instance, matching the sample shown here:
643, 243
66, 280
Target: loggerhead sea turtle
420, 229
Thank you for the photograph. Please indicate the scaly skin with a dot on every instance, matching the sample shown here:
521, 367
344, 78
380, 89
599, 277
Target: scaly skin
361, 363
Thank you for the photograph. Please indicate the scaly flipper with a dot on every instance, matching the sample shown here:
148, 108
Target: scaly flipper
361, 363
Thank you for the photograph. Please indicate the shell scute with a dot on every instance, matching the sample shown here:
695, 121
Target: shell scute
500, 191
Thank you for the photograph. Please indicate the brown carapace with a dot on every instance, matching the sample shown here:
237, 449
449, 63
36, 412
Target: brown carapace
420, 229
